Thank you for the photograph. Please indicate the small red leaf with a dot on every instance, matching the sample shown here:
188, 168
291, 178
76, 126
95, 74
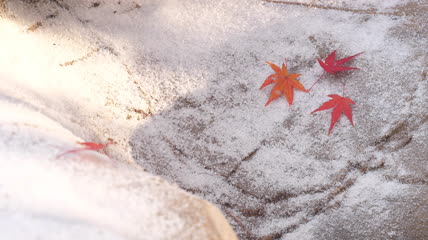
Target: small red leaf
332, 66
340, 105
90, 146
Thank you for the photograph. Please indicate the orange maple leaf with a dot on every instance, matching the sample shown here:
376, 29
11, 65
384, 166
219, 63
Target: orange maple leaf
284, 83
339, 104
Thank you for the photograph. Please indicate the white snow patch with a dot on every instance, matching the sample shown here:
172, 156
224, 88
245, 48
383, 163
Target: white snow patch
30, 226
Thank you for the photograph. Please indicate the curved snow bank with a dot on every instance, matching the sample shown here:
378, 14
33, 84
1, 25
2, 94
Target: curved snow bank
86, 195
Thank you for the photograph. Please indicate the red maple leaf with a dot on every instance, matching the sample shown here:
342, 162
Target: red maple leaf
332, 66
89, 146
340, 105
284, 83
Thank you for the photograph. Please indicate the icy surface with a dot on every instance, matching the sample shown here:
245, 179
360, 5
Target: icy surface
175, 83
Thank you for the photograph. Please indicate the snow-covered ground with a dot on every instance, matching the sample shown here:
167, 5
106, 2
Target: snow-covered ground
175, 84
86, 195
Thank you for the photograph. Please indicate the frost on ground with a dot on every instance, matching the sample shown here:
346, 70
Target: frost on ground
86, 195
176, 84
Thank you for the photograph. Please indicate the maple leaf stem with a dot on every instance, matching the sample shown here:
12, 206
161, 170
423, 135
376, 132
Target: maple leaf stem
319, 78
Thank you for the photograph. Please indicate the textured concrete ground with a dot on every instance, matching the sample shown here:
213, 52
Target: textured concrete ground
201, 122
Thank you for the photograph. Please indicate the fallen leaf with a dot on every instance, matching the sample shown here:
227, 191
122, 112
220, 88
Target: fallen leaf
284, 83
332, 66
88, 146
340, 105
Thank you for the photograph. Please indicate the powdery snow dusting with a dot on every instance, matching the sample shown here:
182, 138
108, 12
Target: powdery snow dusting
85, 195
360, 5
175, 83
